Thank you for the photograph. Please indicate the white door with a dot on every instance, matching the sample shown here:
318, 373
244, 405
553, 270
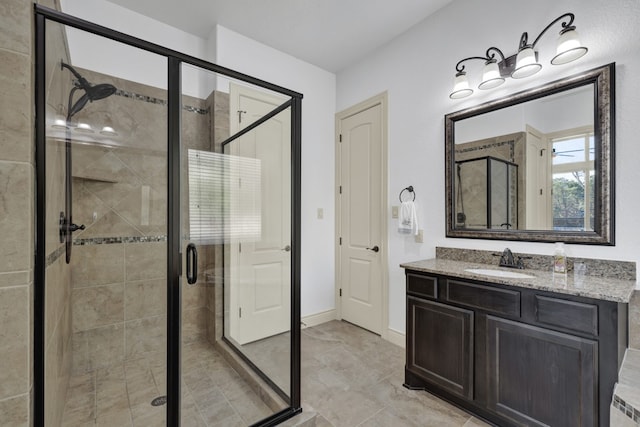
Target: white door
260, 251
360, 210
537, 190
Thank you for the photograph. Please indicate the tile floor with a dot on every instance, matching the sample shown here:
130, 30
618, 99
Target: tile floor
350, 378
213, 393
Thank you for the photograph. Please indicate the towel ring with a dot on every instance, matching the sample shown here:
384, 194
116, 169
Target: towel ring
410, 190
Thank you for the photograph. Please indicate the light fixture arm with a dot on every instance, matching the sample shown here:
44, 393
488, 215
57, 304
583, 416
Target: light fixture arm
565, 25
488, 57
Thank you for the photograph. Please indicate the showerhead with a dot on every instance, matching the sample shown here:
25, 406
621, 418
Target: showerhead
91, 92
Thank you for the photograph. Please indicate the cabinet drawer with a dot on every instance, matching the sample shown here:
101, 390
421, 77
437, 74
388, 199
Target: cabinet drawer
570, 315
424, 286
487, 298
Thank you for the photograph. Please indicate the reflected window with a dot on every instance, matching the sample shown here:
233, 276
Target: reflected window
573, 178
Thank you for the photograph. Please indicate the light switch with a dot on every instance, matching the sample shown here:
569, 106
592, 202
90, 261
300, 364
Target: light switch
394, 211
320, 213
420, 236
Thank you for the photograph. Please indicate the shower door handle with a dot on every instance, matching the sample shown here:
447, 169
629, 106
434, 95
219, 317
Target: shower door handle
192, 264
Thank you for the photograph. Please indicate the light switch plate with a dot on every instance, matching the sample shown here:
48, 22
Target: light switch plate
394, 212
420, 236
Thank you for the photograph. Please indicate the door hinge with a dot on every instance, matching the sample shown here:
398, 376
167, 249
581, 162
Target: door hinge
341, 189
541, 191
340, 291
240, 113
340, 138
239, 247
340, 241
239, 311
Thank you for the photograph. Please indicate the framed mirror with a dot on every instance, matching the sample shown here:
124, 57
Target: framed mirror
537, 165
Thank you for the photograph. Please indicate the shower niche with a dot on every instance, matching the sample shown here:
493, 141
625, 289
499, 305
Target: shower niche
169, 291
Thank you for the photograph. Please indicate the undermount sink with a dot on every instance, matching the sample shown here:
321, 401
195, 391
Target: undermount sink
499, 273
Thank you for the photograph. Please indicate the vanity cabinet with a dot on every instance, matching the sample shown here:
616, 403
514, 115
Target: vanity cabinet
513, 356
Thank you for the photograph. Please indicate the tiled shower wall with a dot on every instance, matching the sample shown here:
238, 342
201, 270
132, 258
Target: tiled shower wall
118, 267
17, 194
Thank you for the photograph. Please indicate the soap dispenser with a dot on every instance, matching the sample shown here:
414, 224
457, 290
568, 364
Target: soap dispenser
559, 260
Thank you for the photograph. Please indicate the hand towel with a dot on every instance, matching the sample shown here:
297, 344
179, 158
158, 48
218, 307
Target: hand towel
408, 218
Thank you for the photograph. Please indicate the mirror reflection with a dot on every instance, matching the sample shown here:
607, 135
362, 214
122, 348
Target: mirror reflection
529, 166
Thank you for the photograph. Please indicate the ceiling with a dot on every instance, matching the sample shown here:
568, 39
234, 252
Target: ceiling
331, 34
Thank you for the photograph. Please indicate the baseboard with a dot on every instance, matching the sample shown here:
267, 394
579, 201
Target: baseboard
318, 318
396, 337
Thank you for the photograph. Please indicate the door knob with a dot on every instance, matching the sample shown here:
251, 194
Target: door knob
287, 248
374, 249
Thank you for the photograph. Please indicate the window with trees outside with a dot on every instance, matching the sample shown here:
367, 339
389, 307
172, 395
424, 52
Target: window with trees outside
573, 175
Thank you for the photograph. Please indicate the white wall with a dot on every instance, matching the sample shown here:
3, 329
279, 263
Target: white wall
240, 53
115, 59
417, 69
318, 106
568, 110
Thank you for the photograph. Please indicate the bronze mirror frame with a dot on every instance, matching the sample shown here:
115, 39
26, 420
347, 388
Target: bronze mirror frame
603, 80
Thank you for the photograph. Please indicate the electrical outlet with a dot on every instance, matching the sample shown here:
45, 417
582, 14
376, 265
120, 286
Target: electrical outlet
320, 213
394, 212
420, 236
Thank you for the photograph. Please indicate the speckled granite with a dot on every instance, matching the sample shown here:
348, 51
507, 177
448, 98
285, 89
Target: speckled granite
604, 288
624, 270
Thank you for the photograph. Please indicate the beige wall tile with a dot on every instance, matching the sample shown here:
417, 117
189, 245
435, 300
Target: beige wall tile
14, 278
15, 25
98, 348
145, 335
14, 412
57, 295
15, 107
145, 298
144, 261
194, 296
145, 209
93, 265
55, 190
194, 325
97, 306
14, 341
16, 186
110, 225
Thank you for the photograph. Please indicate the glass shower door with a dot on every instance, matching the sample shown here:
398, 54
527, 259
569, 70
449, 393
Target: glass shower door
236, 215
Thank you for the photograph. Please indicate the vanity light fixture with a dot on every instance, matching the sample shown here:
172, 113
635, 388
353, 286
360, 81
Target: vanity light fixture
524, 63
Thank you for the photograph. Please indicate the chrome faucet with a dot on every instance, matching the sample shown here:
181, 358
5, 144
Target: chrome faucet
508, 259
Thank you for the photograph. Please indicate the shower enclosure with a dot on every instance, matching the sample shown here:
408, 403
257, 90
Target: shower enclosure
486, 191
168, 236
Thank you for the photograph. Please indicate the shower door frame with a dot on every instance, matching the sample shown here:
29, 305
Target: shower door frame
175, 60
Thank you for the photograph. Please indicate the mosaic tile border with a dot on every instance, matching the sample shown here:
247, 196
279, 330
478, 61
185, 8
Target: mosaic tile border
115, 240
55, 255
153, 100
626, 409
511, 143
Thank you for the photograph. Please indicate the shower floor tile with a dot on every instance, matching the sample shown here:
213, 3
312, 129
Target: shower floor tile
213, 393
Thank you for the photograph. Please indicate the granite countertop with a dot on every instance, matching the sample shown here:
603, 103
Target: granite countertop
604, 288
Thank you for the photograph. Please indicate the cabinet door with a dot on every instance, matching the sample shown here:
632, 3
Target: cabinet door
440, 347
539, 377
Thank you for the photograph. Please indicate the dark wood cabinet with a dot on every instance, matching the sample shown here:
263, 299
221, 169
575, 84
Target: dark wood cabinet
439, 330
540, 377
514, 356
